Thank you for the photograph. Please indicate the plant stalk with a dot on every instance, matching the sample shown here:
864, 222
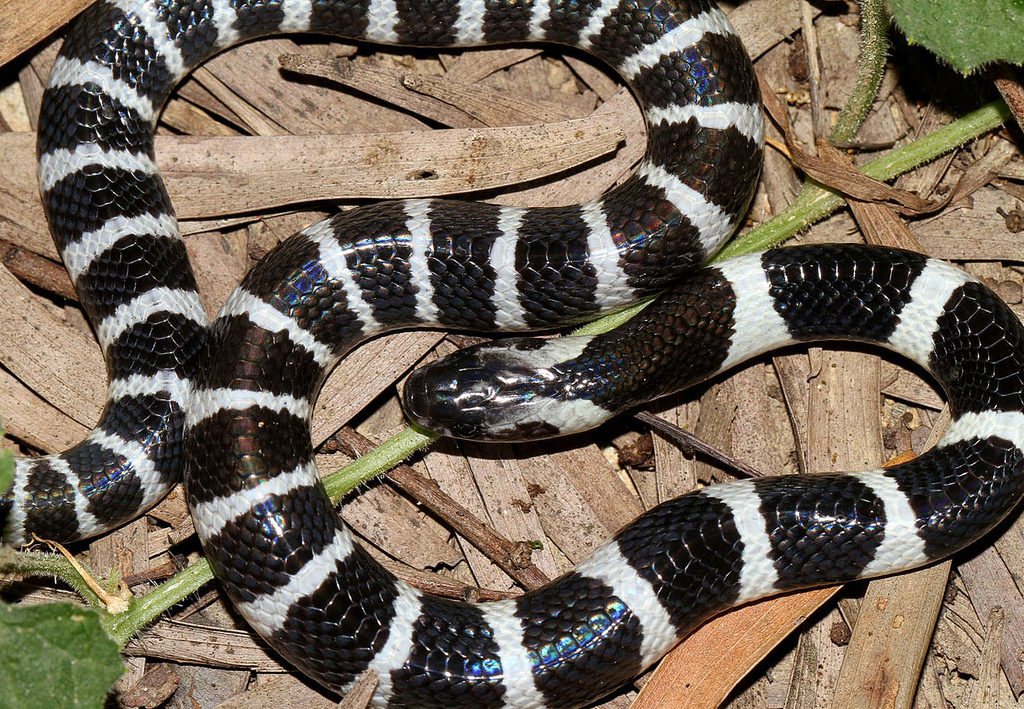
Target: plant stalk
874, 48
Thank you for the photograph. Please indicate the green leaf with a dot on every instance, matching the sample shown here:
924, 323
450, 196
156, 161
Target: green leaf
55, 655
966, 35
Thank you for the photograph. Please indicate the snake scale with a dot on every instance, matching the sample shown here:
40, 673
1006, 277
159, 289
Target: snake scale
231, 402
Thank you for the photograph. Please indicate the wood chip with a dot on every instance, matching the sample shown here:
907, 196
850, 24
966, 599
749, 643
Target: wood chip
890, 639
993, 586
986, 690
281, 692
57, 361
153, 688
23, 23
709, 663
196, 644
213, 176
361, 693
29, 418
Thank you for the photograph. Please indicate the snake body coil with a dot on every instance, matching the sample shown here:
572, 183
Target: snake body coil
240, 412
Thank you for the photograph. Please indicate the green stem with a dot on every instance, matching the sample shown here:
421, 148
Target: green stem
380, 460
146, 609
23, 563
6, 466
874, 48
814, 202
612, 320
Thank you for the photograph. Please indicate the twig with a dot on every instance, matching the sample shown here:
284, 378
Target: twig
512, 557
810, 36
691, 443
37, 270
362, 691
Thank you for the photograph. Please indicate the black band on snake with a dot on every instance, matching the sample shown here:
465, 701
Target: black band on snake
235, 410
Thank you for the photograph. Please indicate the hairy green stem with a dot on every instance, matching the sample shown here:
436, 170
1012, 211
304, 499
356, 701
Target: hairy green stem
813, 203
380, 460
874, 48
145, 609
24, 563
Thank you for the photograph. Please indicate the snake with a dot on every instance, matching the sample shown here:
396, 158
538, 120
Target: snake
230, 401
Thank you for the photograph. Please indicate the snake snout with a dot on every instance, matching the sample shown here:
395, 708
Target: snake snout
451, 397
475, 394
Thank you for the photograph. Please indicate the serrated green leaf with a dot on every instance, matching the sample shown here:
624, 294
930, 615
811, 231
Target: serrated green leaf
966, 35
55, 655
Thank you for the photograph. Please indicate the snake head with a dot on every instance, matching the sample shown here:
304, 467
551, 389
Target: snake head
522, 389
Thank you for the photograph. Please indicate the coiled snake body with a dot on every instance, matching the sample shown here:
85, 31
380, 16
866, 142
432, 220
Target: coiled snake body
239, 413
